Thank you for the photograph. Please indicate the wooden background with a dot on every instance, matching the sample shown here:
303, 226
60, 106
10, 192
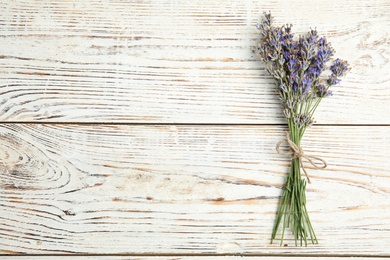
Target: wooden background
147, 130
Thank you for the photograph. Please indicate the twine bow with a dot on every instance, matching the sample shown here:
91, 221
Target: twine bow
297, 152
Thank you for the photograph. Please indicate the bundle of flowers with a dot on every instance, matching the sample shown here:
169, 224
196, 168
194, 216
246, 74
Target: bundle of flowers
304, 72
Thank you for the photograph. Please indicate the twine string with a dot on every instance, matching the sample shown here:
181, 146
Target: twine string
297, 152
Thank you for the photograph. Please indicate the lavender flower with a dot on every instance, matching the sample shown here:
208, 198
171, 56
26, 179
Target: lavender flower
333, 80
297, 65
339, 67
323, 92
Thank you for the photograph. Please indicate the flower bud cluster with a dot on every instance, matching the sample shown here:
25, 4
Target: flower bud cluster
297, 65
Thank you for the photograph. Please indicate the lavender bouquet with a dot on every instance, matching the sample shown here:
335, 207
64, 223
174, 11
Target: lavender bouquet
303, 78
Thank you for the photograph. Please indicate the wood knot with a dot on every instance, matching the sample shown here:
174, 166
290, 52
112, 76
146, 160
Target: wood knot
69, 212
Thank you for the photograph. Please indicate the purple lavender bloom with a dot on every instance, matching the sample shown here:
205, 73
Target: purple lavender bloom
324, 54
292, 78
312, 36
339, 67
314, 72
306, 82
303, 121
321, 41
287, 34
290, 64
268, 18
283, 87
333, 80
297, 64
287, 30
320, 65
286, 55
322, 91
290, 104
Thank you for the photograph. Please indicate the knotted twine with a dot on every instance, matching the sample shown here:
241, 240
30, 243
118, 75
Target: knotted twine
296, 152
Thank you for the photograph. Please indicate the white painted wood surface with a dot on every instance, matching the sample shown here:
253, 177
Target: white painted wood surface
182, 258
180, 158
186, 189
179, 62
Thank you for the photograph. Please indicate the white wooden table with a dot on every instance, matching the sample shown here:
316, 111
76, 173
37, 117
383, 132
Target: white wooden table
147, 130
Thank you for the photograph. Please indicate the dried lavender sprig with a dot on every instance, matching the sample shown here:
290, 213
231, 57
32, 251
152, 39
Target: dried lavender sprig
297, 67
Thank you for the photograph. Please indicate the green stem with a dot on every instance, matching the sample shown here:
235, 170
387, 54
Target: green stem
292, 212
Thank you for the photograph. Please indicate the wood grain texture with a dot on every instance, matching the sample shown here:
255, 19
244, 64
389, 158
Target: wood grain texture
175, 258
205, 179
179, 62
121, 189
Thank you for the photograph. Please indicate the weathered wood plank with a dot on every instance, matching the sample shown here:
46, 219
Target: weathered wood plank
185, 189
176, 257
174, 61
